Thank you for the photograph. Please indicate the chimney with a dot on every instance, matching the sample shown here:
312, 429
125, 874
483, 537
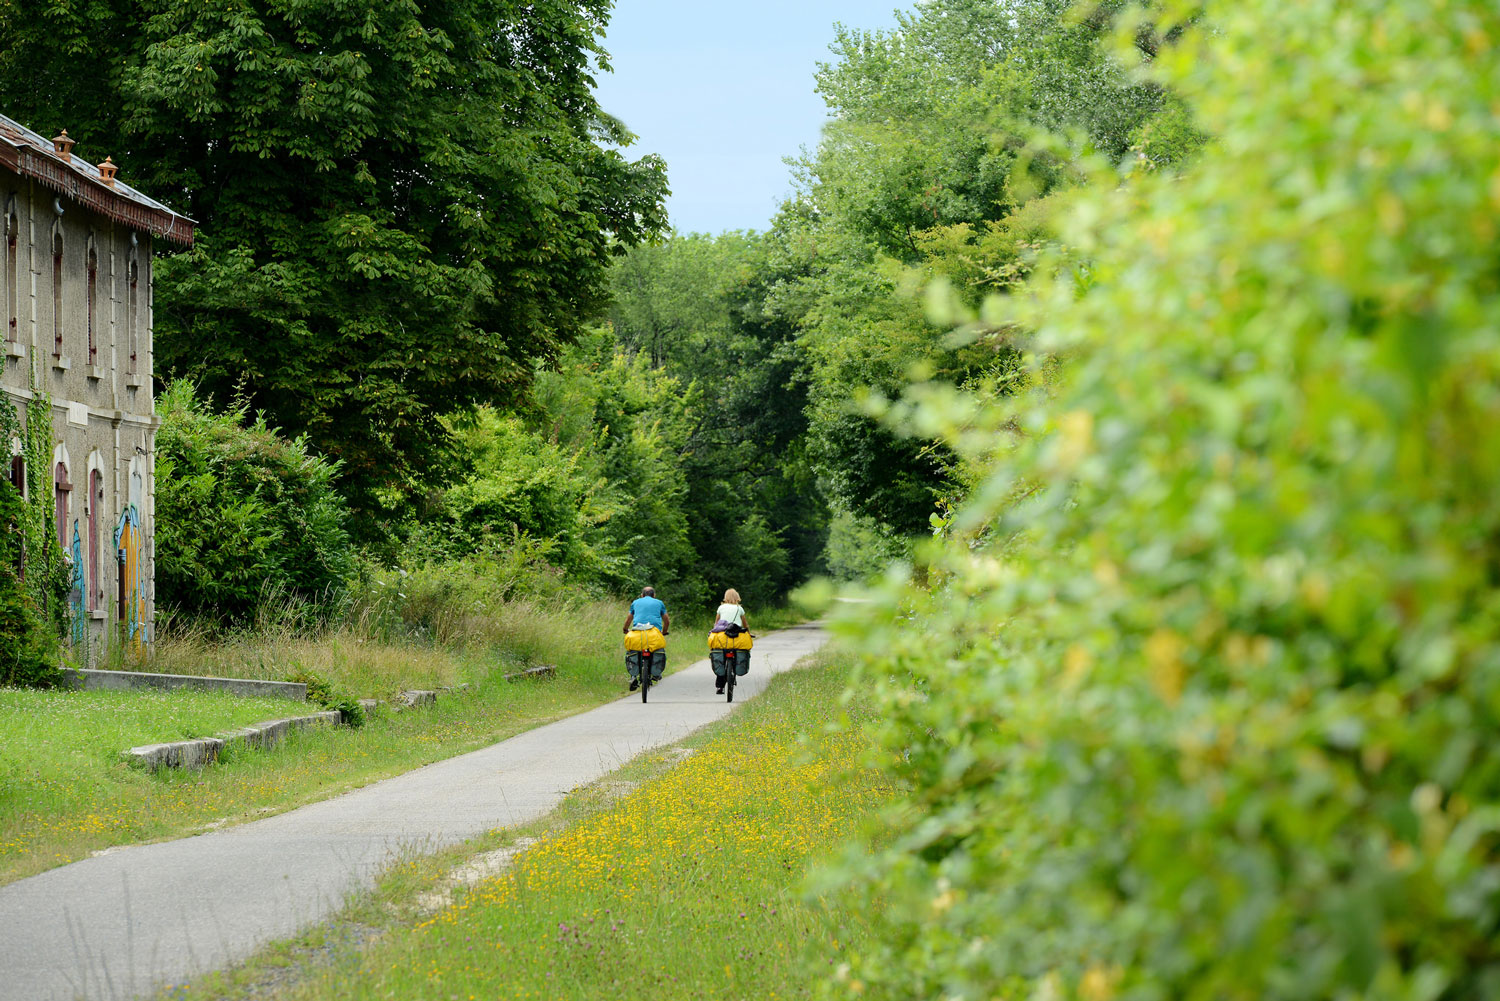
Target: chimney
107, 171
63, 146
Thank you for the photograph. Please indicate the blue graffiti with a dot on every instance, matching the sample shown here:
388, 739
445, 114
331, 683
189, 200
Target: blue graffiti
75, 597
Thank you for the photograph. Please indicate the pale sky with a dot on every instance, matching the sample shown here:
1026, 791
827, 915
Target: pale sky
723, 91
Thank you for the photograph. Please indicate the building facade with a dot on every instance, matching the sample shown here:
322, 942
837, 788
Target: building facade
75, 298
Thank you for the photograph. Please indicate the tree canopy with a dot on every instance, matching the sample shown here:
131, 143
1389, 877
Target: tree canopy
948, 134
694, 307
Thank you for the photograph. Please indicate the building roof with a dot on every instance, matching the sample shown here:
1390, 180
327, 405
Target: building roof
28, 154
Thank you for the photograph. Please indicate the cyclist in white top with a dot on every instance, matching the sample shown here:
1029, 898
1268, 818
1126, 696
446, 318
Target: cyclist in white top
732, 612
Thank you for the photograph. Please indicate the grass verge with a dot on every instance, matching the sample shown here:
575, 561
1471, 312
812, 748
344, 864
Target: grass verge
69, 795
676, 877
59, 749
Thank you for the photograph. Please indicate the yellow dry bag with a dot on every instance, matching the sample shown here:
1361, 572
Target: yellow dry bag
645, 639
722, 641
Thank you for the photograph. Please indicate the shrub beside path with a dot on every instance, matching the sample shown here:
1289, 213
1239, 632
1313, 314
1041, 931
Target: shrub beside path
124, 923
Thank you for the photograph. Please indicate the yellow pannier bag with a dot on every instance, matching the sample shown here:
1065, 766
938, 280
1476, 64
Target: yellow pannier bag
645, 639
721, 641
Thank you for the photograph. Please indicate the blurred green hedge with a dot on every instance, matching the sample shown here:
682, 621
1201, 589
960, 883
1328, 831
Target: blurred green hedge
1207, 703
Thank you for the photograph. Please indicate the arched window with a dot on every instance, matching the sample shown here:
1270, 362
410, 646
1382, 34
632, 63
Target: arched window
61, 488
12, 273
57, 311
131, 321
95, 504
93, 303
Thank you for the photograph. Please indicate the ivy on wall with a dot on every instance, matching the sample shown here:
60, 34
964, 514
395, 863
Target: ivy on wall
33, 573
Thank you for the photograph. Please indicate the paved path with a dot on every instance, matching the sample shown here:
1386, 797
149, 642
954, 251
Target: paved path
122, 924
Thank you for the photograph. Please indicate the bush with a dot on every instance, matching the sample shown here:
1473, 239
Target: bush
521, 482
1206, 707
441, 598
322, 693
245, 519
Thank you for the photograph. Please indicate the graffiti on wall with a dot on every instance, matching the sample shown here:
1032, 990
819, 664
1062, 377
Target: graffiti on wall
75, 596
130, 543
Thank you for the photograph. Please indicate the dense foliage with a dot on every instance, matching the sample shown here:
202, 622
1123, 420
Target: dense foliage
621, 473
693, 308
951, 137
400, 207
1204, 704
34, 577
613, 476
585, 481
948, 134
245, 517
28, 649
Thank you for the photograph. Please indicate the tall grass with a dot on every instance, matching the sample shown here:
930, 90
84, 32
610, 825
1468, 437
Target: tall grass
368, 660
441, 624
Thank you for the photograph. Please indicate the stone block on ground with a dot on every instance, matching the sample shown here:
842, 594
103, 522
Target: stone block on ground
266, 735
205, 751
178, 754
540, 671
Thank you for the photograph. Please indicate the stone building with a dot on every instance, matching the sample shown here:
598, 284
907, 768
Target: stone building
75, 298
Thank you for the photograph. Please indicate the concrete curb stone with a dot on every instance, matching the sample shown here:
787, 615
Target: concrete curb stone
203, 751
206, 750
178, 754
540, 671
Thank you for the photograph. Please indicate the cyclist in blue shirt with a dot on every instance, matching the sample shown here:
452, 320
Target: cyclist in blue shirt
646, 611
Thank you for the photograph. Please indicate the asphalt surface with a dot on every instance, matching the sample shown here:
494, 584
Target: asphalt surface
124, 923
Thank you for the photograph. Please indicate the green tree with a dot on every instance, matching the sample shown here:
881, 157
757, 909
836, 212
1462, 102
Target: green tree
949, 133
627, 422
695, 305
401, 208
670, 301
1204, 704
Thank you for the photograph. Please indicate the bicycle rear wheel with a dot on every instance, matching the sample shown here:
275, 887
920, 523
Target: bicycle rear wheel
645, 675
730, 660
